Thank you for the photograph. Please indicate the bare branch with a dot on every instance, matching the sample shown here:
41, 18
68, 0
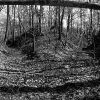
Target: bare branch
51, 3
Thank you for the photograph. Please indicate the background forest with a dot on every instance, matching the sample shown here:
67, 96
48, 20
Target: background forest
49, 52
71, 25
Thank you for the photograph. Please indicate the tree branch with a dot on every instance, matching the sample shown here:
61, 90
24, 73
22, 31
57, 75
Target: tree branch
51, 3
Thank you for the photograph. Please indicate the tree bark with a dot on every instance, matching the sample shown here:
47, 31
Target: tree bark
29, 15
62, 16
59, 28
98, 20
7, 23
32, 26
40, 19
32, 20
13, 27
19, 21
75, 4
68, 21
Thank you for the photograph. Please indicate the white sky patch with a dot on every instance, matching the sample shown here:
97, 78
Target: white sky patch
64, 23
3, 16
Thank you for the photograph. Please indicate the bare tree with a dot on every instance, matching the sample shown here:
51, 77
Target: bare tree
13, 27
59, 27
40, 19
98, 20
30, 15
62, 17
32, 20
19, 19
68, 20
7, 23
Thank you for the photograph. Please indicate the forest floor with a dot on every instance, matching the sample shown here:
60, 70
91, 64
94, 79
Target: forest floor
55, 67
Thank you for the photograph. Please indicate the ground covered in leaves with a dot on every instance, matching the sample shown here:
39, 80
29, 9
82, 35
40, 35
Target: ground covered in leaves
58, 74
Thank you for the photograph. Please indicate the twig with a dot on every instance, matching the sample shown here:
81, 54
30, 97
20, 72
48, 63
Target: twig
6, 53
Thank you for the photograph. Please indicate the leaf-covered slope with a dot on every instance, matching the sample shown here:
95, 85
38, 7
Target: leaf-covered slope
52, 68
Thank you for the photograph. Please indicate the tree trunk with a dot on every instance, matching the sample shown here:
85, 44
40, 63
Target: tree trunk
68, 21
71, 22
81, 20
53, 3
62, 19
13, 27
32, 20
59, 28
98, 20
32, 25
90, 32
7, 23
49, 18
56, 22
29, 16
19, 20
40, 20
